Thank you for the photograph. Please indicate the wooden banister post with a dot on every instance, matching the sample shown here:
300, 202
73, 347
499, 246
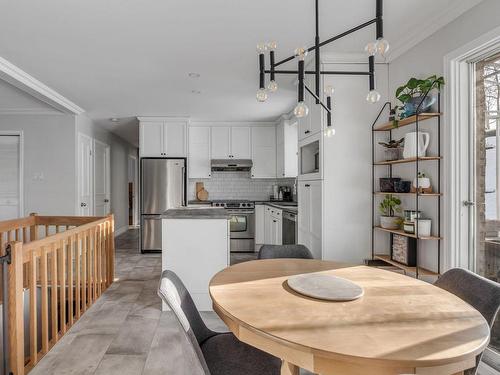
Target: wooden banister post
33, 229
16, 307
112, 250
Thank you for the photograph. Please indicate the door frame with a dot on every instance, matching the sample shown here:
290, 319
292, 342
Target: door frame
135, 202
459, 119
108, 172
20, 134
78, 175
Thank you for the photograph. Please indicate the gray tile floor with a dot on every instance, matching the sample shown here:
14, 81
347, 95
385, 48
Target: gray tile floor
124, 332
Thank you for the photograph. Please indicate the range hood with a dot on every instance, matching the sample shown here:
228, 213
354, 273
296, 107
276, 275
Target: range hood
231, 165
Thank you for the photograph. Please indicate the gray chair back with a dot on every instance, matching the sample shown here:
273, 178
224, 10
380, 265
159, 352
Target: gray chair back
173, 292
284, 251
477, 291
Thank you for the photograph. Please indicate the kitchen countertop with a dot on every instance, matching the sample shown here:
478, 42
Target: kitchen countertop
195, 213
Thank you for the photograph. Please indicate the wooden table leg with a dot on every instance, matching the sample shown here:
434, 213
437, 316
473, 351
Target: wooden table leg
288, 368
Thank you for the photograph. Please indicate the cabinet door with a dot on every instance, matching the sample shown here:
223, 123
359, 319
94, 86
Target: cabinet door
264, 152
221, 140
304, 208
260, 211
280, 150
199, 152
151, 139
267, 226
240, 142
277, 231
315, 217
315, 117
174, 139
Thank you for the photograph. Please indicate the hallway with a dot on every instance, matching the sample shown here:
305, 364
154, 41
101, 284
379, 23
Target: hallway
124, 332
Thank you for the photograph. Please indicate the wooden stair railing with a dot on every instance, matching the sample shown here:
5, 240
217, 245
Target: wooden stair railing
64, 263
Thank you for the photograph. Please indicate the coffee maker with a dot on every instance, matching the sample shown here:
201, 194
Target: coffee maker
287, 193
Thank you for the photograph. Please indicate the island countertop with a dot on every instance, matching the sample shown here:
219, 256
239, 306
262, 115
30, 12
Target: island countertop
196, 213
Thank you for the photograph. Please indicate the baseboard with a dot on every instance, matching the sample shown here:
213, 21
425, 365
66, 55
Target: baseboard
121, 230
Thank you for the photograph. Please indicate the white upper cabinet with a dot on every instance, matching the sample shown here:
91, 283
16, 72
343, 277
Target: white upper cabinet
286, 149
264, 152
151, 138
199, 152
221, 142
162, 137
231, 142
240, 142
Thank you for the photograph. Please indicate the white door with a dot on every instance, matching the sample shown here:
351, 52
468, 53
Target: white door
240, 142
174, 139
221, 140
199, 152
10, 176
264, 152
151, 138
102, 190
85, 173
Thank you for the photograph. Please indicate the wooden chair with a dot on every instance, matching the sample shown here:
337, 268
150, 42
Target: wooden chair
284, 251
214, 353
479, 292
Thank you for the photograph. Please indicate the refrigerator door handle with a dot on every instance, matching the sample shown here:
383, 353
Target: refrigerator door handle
184, 186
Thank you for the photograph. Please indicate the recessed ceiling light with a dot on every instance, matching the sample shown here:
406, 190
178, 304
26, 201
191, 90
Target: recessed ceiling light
197, 92
114, 119
194, 75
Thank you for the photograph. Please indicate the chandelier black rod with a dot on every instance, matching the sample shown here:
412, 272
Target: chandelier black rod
317, 55
325, 72
318, 99
339, 36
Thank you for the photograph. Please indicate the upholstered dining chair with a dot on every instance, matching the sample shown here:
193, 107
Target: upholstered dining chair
477, 291
214, 353
284, 251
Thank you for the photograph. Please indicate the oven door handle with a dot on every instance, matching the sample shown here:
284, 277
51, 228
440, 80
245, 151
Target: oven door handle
240, 212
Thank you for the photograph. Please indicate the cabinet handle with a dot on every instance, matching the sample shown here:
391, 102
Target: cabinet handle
274, 221
307, 185
307, 132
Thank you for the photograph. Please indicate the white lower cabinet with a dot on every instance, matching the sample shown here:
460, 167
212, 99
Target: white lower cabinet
260, 227
273, 224
310, 214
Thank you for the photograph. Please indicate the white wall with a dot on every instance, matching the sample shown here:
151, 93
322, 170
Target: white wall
425, 59
347, 188
49, 152
120, 150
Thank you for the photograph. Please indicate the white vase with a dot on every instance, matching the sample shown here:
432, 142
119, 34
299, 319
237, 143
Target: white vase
424, 227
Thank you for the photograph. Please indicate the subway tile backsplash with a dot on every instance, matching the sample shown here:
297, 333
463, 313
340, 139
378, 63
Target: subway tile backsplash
237, 185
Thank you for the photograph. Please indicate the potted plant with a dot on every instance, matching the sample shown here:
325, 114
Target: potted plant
422, 183
393, 149
412, 93
388, 207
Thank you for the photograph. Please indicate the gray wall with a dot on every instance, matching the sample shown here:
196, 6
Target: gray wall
49, 149
120, 150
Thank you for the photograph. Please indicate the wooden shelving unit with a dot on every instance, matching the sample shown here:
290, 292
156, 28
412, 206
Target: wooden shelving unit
407, 269
407, 121
389, 128
409, 160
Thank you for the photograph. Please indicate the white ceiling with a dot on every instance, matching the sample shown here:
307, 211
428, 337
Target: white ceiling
126, 58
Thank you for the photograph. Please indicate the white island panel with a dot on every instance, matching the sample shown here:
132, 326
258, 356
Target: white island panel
195, 249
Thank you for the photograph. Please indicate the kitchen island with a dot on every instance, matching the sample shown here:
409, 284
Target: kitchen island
195, 245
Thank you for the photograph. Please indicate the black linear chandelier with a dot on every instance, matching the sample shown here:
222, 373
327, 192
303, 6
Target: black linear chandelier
380, 46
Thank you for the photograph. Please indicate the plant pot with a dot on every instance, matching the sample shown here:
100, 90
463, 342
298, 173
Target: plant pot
389, 222
410, 107
402, 186
393, 153
424, 227
387, 184
423, 183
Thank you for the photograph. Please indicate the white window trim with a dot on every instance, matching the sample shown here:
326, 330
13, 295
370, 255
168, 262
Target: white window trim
20, 134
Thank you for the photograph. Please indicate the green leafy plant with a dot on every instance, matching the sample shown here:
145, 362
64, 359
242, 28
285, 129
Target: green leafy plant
390, 205
417, 87
392, 143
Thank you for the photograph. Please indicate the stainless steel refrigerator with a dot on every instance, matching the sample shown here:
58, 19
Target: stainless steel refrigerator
163, 186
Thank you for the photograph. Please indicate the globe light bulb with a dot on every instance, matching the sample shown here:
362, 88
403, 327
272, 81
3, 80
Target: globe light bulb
301, 53
261, 95
261, 48
382, 46
301, 110
329, 90
271, 46
273, 86
371, 48
373, 96
329, 132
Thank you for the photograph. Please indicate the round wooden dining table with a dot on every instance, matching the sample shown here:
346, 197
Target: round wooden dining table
399, 326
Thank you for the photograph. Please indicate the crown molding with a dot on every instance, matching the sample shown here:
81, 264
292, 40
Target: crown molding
431, 26
25, 82
162, 118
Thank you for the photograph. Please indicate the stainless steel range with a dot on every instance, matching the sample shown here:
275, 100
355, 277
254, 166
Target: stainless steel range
242, 223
